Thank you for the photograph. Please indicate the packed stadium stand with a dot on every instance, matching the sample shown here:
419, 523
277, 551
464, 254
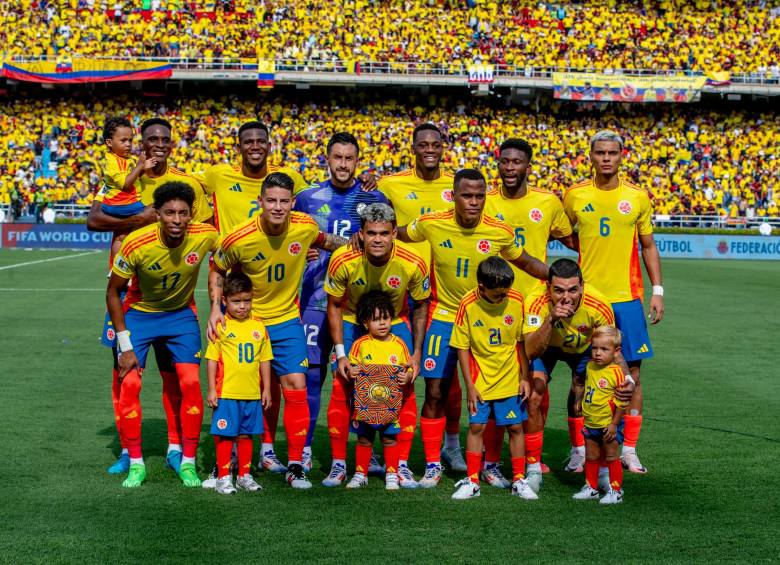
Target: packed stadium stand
740, 36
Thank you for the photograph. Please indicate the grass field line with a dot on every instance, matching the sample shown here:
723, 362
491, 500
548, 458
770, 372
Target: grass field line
38, 261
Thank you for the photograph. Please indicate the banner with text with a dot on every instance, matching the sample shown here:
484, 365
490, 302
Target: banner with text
77, 70
53, 236
601, 87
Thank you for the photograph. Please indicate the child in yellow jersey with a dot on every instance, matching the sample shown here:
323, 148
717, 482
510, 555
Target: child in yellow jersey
603, 414
238, 362
379, 347
118, 196
488, 335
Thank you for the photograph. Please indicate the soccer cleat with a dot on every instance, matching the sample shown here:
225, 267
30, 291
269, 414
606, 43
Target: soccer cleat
247, 482
120, 466
492, 475
545, 468
576, 461
225, 485
211, 481
604, 479
535, 480
337, 475
454, 458
307, 461
188, 475
296, 478
465, 489
135, 476
612, 497
631, 462
391, 481
586, 493
358, 480
406, 477
433, 472
271, 462
375, 467
522, 489
173, 460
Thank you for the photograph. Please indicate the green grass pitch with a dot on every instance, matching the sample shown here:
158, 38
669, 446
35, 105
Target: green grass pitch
710, 439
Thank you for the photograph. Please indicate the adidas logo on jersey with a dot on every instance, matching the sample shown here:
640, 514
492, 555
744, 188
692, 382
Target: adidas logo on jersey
359, 282
324, 210
368, 357
643, 349
589, 208
479, 324
412, 196
236, 188
231, 335
500, 216
447, 243
155, 267
258, 257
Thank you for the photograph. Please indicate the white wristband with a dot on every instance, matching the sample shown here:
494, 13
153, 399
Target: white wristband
630, 379
658, 290
340, 351
123, 341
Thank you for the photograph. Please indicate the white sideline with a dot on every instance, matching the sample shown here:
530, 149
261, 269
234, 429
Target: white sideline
6, 267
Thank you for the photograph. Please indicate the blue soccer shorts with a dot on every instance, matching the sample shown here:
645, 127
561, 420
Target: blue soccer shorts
577, 362
178, 331
364, 429
232, 418
506, 411
630, 320
122, 210
288, 342
439, 360
597, 434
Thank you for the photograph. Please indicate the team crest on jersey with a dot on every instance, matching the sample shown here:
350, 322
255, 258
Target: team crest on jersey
191, 258
393, 359
483, 246
393, 281
582, 328
509, 319
256, 335
446, 195
624, 207
429, 364
110, 334
603, 383
295, 248
221, 424
536, 215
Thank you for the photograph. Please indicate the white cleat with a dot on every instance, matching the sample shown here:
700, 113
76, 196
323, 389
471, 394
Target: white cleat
406, 478
375, 466
358, 480
535, 480
432, 476
306, 460
225, 485
576, 461
392, 482
522, 489
612, 497
492, 475
271, 463
586, 493
465, 489
604, 479
247, 482
296, 478
211, 482
337, 475
631, 462
454, 459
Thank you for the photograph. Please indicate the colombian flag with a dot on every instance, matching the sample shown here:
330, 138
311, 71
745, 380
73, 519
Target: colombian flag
265, 74
65, 70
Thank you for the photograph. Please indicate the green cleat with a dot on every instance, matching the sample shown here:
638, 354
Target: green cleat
135, 476
188, 475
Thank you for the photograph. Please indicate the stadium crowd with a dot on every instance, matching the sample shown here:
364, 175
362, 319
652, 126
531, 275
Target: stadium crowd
692, 160
703, 35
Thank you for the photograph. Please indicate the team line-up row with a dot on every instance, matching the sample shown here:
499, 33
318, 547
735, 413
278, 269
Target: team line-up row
376, 300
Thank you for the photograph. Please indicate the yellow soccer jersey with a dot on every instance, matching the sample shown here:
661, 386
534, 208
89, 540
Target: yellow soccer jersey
535, 218
115, 170
350, 274
240, 348
236, 197
457, 253
609, 223
572, 335
164, 279
412, 196
274, 263
369, 351
599, 402
491, 332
